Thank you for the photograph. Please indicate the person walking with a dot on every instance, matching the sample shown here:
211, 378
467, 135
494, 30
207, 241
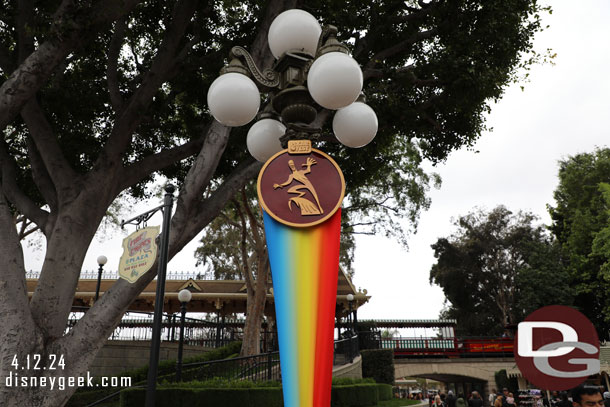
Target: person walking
438, 402
492, 396
475, 400
450, 399
564, 402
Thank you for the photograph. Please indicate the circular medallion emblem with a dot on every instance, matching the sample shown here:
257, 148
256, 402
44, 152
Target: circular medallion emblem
301, 189
557, 348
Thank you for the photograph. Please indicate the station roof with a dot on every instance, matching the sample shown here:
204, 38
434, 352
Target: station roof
218, 296
410, 323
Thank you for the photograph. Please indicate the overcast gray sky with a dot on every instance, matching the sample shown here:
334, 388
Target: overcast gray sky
563, 110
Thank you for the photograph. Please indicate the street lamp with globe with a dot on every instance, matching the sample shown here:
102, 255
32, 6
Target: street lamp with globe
101, 260
312, 72
184, 296
350, 301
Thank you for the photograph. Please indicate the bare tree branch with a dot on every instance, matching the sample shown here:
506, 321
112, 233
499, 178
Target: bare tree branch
415, 13
69, 28
209, 208
6, 61
25, 233
25, 39
14, 310
12, 191
399, 47
131, 116
200, 174
108, 310
143, 168
113, 61
43, 135
243, 247
41, 176
259, 49
228, 220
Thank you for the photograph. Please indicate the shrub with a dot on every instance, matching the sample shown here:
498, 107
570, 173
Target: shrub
379, 365
356, 395
342, 381
206, 397
168, 367
85, 396
502, 381
385, 391
215, 393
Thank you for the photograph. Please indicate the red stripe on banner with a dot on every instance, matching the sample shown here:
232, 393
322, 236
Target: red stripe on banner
327, 301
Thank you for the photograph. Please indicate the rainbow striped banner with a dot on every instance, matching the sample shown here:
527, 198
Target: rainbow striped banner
304, 266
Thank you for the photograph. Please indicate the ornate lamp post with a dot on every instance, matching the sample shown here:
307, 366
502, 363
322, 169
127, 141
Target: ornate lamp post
184, 296
350, 318
312, 71
352, 327
300, 188
101, 260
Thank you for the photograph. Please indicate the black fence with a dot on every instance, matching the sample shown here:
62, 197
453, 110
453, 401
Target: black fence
263, 367
114, 275
346, 350
215, 333
369, 340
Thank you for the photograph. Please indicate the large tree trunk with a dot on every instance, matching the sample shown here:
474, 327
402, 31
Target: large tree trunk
36, 327
77, 205
254, 317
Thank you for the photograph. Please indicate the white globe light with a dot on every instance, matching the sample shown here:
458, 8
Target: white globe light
334, 80
350, 297
264, 139
294, 30
184, 295
233, 99
101, 260
355, 125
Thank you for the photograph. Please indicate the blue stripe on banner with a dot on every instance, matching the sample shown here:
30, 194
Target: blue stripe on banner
280, 251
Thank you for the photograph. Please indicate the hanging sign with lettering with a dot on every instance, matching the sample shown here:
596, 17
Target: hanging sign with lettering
139, 253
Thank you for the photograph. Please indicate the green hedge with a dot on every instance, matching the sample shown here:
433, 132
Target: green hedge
502, 381
85, 398
86, 395
379, 365
355, 395
168, 367
191, 397
385, 392
343, 381
200, 394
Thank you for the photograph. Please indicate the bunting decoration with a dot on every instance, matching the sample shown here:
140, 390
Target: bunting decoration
300, 190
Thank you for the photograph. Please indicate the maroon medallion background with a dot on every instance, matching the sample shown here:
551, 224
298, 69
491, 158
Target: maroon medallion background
325, 179
542, 336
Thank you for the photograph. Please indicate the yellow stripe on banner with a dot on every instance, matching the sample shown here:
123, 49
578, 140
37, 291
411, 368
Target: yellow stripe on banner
307, 264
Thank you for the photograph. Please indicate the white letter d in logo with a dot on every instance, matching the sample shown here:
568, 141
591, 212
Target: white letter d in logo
525, 344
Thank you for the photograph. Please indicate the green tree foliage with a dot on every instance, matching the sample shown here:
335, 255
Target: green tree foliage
581, 224
601, 243
98, 97
431, 78
221, 254
495, 270
378, 364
